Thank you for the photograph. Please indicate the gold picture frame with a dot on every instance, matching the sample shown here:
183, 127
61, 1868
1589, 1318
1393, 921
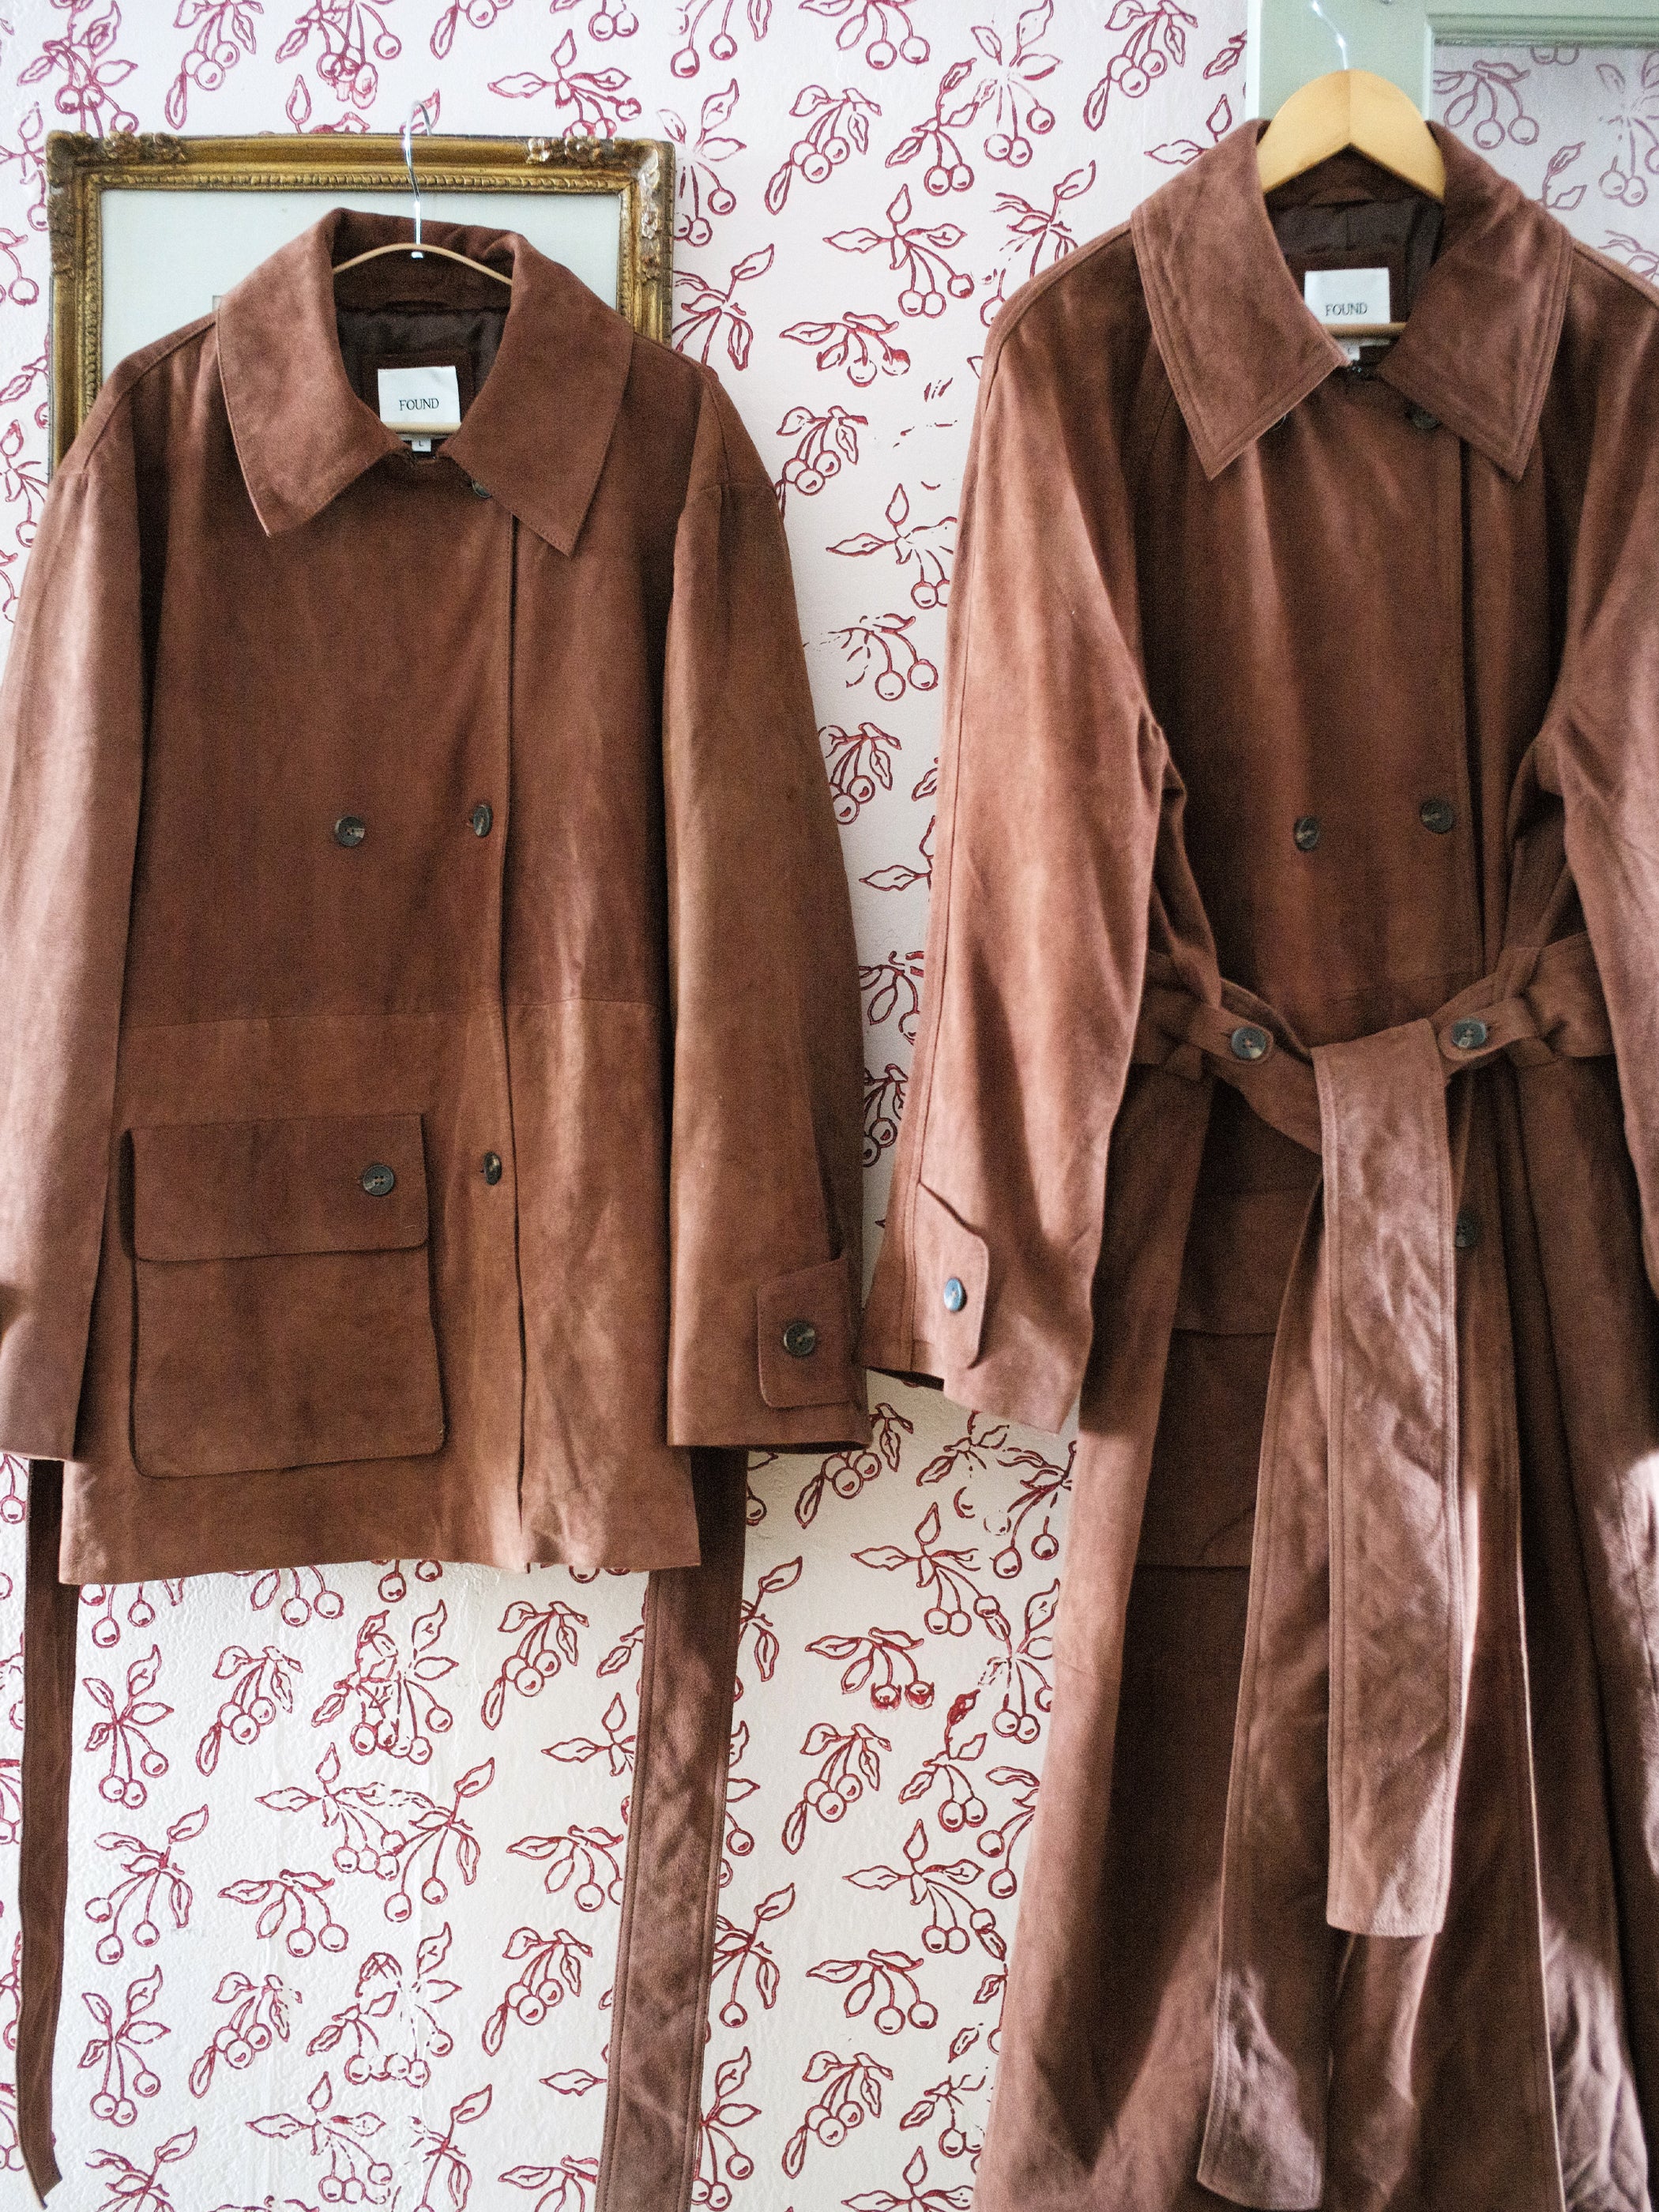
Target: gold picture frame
639, 172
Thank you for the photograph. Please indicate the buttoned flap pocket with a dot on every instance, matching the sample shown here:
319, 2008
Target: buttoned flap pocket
284, 1300
953, 1278
804, 1324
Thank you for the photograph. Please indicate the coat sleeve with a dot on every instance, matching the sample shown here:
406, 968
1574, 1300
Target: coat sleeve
71, 751
1052, 774
1599, 749
765, 1205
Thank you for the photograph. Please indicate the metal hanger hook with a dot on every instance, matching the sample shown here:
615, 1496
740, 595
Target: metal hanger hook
422, 113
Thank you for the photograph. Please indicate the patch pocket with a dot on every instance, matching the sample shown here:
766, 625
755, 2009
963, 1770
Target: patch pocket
284, 1297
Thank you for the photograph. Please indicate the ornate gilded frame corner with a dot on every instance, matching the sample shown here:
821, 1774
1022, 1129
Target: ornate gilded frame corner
80, 170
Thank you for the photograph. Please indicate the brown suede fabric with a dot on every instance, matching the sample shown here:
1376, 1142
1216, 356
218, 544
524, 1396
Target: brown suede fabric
252, 614
1285, 1098
430, 1078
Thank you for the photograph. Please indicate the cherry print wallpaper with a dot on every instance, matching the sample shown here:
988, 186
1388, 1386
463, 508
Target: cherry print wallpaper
347, 1844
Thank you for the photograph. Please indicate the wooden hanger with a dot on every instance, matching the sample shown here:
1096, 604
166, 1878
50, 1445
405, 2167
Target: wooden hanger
1350, 108
412, 247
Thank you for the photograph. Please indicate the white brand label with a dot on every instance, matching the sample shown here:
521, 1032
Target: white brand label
1344, 297
420, 403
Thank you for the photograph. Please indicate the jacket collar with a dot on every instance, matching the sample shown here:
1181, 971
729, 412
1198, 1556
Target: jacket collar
536, 433
1241, 349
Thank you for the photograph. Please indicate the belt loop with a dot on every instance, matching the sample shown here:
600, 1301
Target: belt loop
670, 1885
51, 1618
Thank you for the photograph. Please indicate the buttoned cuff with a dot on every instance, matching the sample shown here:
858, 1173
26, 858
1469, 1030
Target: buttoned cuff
803, 1331
40, 1402
939, 1322
804, 1389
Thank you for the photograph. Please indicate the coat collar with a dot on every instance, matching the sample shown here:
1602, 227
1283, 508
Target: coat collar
1241, 349
535, 436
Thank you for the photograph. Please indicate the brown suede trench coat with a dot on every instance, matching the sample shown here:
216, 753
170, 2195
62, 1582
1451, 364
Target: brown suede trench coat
429, 1063
1288, 1093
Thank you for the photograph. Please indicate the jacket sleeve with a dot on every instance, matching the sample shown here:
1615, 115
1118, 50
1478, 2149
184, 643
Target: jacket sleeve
765, 1204
1599, 749
1051, 779
71, 751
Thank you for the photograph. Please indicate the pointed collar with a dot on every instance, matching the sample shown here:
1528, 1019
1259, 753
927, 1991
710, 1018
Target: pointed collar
1241, 349
536, 433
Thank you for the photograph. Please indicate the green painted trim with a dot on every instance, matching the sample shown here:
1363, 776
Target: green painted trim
1290, 42
1550, 23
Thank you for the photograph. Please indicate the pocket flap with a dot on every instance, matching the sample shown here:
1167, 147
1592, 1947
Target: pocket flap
243, 1190
1239, 1250
804, 1322
953, 1276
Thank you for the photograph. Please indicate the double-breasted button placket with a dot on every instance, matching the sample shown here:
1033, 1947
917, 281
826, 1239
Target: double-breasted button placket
1336, 1504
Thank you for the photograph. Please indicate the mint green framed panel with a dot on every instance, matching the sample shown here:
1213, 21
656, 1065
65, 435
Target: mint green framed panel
1290, 42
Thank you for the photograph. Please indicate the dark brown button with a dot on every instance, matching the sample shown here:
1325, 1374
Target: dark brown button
1466, 1230
1438, 815
1470, 1034
1421, 419
350, 829
492, 1167
1306, 832
482, 819
1249, 1043
378, 1179
800, 1340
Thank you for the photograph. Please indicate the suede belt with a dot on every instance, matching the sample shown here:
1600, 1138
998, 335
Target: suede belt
676, 1824
1358, 1642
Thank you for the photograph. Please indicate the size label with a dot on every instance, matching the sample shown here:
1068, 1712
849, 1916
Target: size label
1344, 297
420, 403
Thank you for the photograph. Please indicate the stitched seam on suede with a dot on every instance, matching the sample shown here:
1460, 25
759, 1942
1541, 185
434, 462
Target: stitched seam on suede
621, 2010
1512, 1650
944, 873
1014, 311
1597, 1413
261, 490
1223, 2114
711, 399
1508, 442
1565, 761
1140, 461
715, 1834
1549, 339
1330, 1107
1170, 338
395, 1014
1450, 1458
1582, 251
163, 350
1006, 323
